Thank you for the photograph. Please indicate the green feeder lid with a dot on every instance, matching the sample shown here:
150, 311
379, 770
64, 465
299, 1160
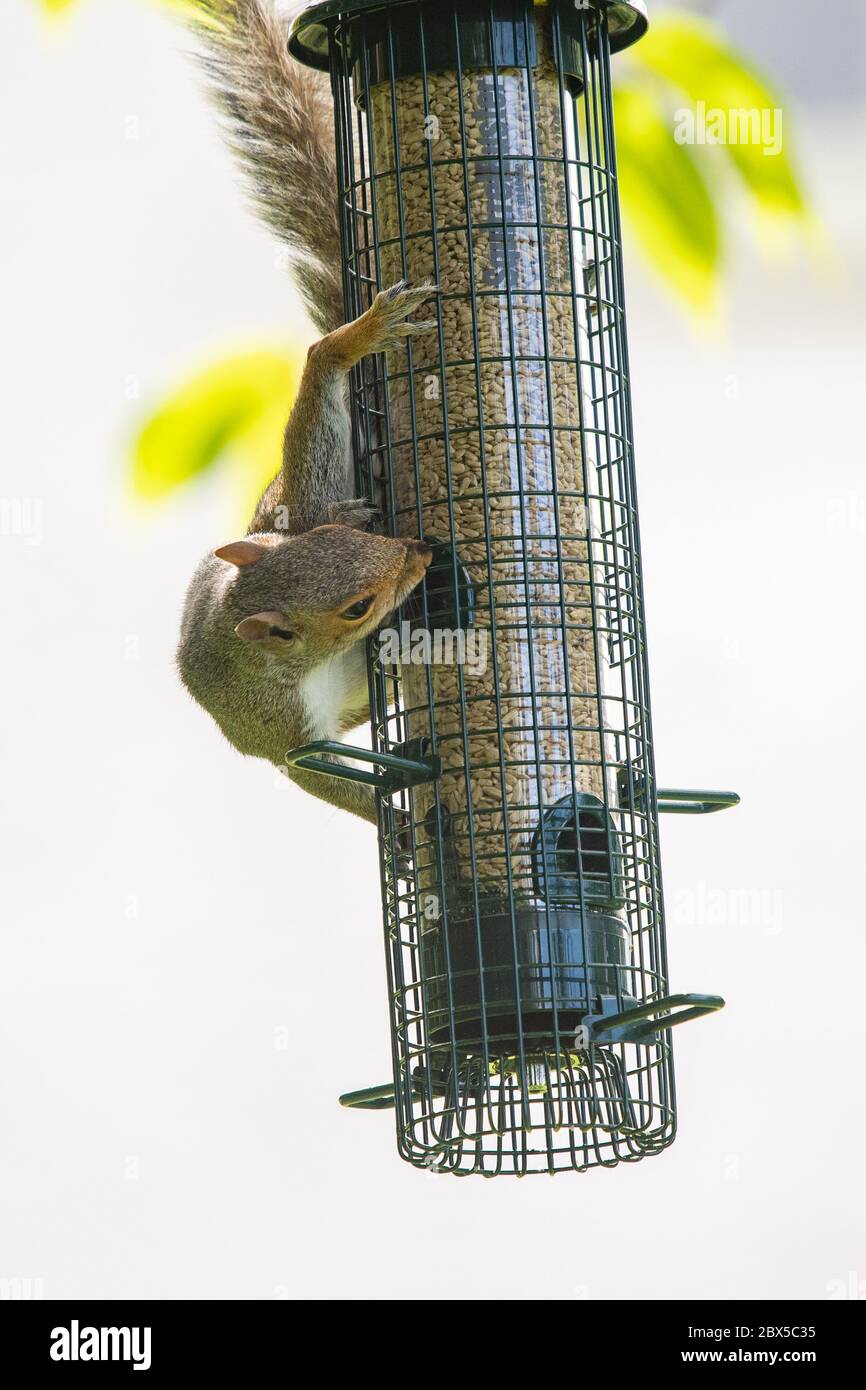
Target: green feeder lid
308, 37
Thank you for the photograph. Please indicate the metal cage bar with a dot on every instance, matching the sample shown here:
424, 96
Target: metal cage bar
521, 884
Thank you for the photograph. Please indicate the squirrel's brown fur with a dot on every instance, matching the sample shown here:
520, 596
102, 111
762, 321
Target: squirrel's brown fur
272, 635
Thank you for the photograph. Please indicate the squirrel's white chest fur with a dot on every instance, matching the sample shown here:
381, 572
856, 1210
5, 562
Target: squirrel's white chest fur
332, 689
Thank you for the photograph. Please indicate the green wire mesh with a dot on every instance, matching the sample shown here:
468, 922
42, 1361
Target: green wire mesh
521, 885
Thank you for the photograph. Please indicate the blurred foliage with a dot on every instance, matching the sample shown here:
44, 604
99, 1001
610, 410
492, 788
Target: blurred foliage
237, 406
672, 195
692, 57
666, 198
183, 7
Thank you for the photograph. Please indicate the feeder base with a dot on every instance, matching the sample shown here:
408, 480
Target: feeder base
566, 960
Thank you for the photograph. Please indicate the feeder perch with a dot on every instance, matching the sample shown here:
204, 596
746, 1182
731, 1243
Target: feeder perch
518, 825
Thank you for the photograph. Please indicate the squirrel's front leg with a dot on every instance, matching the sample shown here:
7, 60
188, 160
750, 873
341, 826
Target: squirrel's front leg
316, 475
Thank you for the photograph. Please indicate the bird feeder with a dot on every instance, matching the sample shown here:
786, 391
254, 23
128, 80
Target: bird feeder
512, 749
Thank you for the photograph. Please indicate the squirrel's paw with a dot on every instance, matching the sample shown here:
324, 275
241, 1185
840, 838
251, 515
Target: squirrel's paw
354, 511
389, 312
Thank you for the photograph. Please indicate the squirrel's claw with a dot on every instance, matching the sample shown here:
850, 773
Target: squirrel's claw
389, 313
402, 293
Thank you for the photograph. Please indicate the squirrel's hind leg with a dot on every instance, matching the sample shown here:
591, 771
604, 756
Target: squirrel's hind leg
384, 327
316, 475
316, 470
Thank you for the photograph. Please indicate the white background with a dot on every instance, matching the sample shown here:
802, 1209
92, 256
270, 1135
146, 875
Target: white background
191, 959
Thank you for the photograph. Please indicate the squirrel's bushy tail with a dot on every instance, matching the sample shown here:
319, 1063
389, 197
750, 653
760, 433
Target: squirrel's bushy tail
280, 124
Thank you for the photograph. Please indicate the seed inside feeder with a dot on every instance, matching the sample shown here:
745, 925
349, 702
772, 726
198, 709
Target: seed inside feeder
499, 470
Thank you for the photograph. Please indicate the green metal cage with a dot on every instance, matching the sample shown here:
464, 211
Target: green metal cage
512, 743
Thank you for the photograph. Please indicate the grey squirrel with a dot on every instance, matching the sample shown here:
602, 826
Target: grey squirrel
272, 636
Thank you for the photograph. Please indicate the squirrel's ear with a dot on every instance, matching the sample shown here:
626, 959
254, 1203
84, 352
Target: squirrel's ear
241, 553
264, 626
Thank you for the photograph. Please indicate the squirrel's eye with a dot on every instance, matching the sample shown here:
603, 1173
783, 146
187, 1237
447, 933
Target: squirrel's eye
358, 609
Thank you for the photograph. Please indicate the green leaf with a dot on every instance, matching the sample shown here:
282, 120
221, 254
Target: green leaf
184, 8
693, 58
665, 198
235, 406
